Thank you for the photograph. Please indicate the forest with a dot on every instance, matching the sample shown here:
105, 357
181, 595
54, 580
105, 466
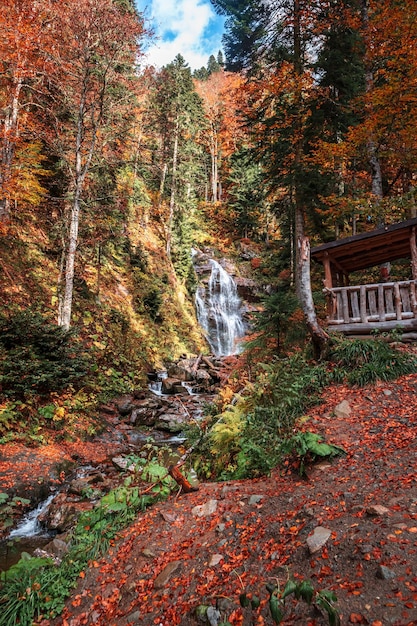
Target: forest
114, 177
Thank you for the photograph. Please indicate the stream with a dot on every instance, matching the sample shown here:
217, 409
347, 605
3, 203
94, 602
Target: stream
174, 398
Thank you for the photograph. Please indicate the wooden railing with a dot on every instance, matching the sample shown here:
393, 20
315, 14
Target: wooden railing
375, 304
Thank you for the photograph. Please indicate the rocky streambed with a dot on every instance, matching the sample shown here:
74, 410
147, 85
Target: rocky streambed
132, 424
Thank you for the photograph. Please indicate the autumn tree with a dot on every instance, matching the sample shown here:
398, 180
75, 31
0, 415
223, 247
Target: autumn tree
91, 90
220, 96
25, 40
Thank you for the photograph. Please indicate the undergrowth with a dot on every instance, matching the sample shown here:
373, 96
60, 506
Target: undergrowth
36, 588
265, 424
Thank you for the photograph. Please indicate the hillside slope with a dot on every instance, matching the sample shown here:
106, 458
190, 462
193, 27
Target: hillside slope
245, 534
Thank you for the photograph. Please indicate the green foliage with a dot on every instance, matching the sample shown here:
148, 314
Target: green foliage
9, 506
274, 322
304, 590
307, 446
252, 436
362, 362
37, 357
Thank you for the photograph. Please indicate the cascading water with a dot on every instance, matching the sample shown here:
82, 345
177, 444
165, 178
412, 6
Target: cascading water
219, 311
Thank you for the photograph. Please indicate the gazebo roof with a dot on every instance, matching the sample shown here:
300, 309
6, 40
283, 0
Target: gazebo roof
368, 249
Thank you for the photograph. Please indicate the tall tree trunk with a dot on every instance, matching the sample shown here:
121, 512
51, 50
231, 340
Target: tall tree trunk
10, 132
214, 167
82, 166
303, 278
65, 297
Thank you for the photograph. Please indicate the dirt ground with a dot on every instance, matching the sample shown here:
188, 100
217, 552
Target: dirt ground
176, 557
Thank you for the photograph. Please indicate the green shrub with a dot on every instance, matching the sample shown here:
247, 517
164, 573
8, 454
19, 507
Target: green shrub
37, 357
361, 362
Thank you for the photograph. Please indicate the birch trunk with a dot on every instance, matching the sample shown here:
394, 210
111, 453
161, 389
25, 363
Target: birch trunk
10, 132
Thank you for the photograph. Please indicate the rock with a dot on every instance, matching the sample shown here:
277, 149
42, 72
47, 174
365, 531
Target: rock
384, 573
343, 409
183, 370
79, 485
170, 422
162, 578
203, 510
58, 547
213, 616
387, 392
125, 405
134, 618
247, 289
122, 463
148, 553
215, 560
169, 385
203, 378
255, 499
62, 513
318, 539
377, 509
143, 416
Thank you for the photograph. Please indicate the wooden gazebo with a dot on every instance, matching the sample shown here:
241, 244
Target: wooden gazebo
387, 305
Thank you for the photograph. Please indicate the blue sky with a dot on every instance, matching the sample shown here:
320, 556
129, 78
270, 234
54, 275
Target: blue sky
187, 27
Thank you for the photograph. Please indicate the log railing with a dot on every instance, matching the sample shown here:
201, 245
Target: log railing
378, 303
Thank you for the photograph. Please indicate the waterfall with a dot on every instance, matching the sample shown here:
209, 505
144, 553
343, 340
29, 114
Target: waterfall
30, 526
219, 311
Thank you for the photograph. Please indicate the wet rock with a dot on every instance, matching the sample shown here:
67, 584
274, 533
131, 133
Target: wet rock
57, 547
203, 378
183, 370
124, 405
169, 385
318, 539
143, 416
62, 513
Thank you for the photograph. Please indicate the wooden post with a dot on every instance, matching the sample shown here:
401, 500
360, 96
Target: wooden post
381, 303
397, 301
413, 250
364, 317
328, 283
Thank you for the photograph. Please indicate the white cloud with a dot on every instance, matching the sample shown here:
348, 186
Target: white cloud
187, 27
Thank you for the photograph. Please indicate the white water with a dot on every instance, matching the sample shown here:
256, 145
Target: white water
156, 385
30, 526
219, 311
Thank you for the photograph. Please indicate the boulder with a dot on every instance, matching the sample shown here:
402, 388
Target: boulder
62, 513
169, 385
